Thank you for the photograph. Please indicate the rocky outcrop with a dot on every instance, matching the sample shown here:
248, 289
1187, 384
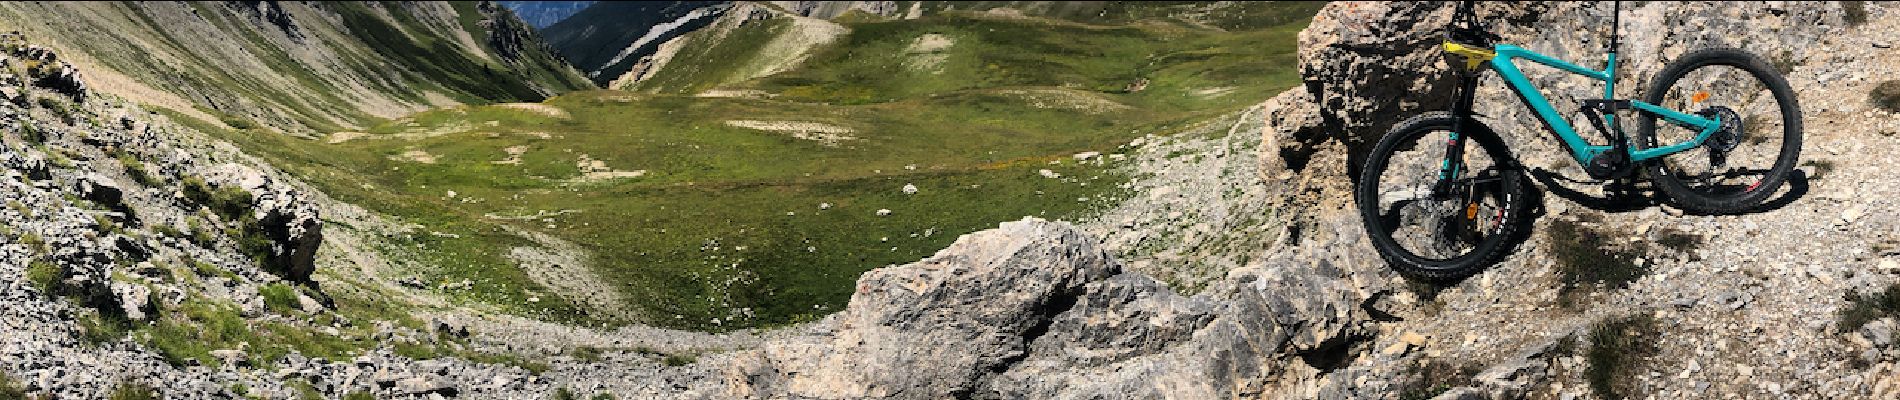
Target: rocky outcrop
287, 217
1036, 309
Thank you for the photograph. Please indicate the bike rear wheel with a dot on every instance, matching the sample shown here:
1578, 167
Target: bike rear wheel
1432, 234
1754, 152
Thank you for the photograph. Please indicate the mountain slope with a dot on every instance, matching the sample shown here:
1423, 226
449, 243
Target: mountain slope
607, 39
299, 67
541, 14
755, 39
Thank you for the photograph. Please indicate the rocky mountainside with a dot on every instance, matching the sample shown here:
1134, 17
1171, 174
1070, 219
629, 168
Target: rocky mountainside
542, 14
609, 39
631, 45
1235, 268
299, 67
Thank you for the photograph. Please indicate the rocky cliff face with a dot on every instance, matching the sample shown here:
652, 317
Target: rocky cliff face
298, 67
1238, 269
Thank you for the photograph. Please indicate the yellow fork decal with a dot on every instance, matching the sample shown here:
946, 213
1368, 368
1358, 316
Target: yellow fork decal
1474, 56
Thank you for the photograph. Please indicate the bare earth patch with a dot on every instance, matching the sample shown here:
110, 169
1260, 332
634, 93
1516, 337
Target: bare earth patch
415, 156
596, 170
340, 137
1067, 99
538, 108
734, 94
514, 155
563, 267
1213, 92
927, 53
827, 134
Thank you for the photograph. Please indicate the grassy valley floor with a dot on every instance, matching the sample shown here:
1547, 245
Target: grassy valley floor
718, 206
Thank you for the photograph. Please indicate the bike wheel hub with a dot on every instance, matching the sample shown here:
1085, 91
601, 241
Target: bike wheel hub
1726, 137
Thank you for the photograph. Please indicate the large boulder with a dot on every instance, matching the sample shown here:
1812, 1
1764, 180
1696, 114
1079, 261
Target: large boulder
286, 216
1035, 309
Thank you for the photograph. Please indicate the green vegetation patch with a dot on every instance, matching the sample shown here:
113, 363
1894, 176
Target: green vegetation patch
280, 298
1618, 347
1854, 12
1588, 258
1886, 95
188, 333
133, 391
1864, 308
1428, 379
10, 389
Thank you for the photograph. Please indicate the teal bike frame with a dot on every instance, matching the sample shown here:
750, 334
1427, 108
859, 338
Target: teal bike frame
1583, 151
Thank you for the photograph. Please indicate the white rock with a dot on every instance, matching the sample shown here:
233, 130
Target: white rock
910, 189
1852, 213
1087, 155
883, 212
824, 206
1048, 174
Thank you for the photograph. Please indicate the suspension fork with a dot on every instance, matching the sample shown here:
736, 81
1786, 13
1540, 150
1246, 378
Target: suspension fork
1453, 166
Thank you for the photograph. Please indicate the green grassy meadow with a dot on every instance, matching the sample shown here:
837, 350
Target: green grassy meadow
724, 229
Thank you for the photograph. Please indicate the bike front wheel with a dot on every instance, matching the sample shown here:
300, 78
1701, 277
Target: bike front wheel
1435, 231
1744, 161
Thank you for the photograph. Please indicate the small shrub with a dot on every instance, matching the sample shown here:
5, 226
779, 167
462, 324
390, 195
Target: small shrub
33, 241
1854, 12
44, 276
228, 202
133, 391
279, 298
8, 389
32, 134
1587, 258
1784, 62
105, 224
1822, 168
359, 396
1679, 241
1862, 309
675, 360
169, 231
1617, 347
563, 394
1886, 95
196, 328
237, 122
199, 234
96, 328
136, 169
1430, 379
586, 353
603, 396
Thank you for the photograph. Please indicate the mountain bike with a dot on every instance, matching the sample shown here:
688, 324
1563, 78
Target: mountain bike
1718, 132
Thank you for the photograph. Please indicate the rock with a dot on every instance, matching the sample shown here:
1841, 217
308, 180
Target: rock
910, 189
1084, 156
1852, 214
102, 190
1879, 331
1048, 174
229, 356
883, 212
285, 215
1034, 309
134, 299
1889, 265
1412, 339
425, 385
